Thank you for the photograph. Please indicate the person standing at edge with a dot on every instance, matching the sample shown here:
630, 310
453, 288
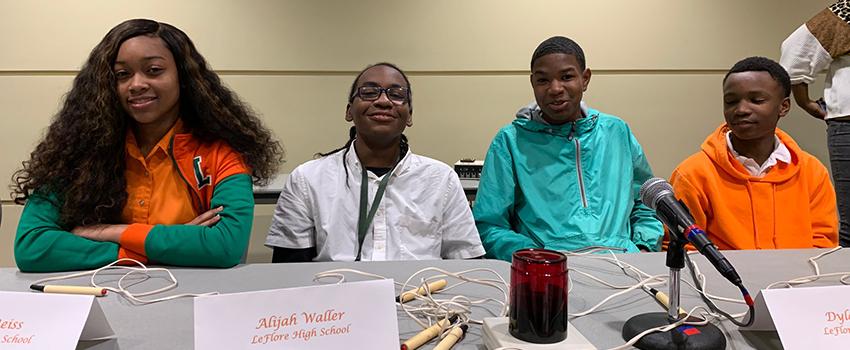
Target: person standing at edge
823, 44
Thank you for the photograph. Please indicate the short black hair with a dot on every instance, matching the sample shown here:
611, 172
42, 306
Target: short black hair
763, 64
559, 44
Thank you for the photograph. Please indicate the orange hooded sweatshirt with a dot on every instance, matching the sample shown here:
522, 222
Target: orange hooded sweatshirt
791, 206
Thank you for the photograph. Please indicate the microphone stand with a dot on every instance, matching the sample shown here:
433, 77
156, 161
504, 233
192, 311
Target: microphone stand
705, 337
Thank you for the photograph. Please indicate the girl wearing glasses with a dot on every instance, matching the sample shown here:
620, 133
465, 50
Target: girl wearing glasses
373, 198
150, 158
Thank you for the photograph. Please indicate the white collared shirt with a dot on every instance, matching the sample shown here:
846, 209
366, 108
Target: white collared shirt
424, 213
780, 153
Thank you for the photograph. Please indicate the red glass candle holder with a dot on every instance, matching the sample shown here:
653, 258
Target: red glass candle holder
538, 308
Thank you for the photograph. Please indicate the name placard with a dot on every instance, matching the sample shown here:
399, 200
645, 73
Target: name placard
50, 321
354, 315
805, 318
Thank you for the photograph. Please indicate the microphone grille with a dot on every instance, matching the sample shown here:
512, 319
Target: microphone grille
653, 189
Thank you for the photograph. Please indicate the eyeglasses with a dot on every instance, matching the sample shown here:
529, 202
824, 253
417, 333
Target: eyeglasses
396, 94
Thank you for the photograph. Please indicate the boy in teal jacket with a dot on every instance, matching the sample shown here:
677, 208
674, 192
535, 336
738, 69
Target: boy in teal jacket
563, 176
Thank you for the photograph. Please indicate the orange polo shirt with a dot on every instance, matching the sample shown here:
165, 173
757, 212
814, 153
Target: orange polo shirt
156, 192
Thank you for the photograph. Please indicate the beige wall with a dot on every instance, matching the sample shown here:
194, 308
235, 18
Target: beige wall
657, 63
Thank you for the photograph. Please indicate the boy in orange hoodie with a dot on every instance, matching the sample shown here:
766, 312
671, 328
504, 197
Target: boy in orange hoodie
751, 186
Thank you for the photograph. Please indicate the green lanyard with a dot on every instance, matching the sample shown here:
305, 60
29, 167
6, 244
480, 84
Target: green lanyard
365, 220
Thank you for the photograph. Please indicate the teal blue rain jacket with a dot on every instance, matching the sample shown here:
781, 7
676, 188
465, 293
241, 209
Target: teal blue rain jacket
564, 187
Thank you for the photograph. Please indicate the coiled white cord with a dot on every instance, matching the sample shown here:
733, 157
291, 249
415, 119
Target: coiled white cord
844, 277
434, 309
121, 289
430, 309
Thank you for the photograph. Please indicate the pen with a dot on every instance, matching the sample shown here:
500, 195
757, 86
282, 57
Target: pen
427, 334
454, 336
433, 287
98, 292
662, 298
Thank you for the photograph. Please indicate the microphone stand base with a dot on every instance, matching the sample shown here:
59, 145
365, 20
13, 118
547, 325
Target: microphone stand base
684, 337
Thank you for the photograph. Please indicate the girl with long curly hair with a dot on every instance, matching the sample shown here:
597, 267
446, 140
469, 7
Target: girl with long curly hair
151, 157
410, 207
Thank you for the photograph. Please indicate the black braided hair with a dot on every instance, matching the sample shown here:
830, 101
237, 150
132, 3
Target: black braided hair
352, 132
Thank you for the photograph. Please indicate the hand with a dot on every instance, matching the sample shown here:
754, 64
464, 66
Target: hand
801, 95
814, 109
208, 218
100, 233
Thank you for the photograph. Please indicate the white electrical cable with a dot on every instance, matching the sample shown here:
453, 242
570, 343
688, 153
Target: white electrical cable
612, 296
428, 309
665, 328
462, 304
434, 309
704, 282
121, 289
844, 276
642, 277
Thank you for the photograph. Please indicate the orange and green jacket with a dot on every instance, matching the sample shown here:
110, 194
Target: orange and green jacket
214, 174
791, 206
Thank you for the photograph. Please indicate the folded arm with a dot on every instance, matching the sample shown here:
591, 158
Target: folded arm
42, 245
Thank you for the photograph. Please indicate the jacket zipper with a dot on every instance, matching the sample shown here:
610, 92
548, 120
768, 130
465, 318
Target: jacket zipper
195, 197
579, 171
578, 166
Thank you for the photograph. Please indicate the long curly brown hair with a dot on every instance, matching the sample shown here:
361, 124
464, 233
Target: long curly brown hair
80, 161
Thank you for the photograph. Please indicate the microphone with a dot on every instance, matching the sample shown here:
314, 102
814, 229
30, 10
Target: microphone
657, 194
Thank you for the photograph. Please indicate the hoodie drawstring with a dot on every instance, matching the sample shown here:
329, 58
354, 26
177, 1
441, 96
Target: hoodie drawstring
572, 131
753, 215
773, 188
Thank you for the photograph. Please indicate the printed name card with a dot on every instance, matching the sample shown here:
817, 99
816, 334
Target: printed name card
353, 315
50, 321
805, 318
